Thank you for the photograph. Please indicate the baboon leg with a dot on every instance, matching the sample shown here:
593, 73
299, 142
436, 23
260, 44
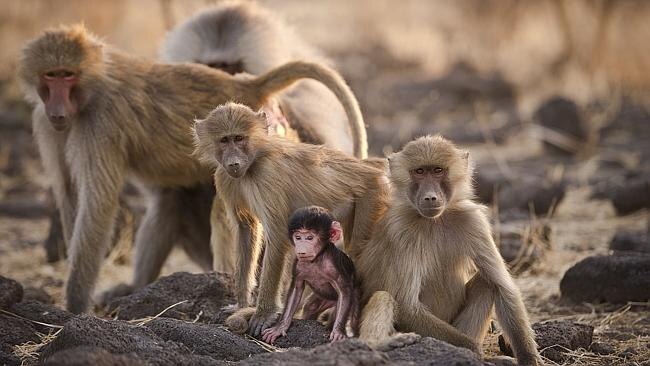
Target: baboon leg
55, 243
195, 221
378, 318
314, 306
155, 237
476, 313
420, 320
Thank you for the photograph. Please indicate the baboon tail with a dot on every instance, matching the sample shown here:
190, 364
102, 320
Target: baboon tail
284, 76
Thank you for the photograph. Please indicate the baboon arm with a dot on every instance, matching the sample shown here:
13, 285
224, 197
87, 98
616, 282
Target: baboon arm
247, 237
51, 150
99, 185
343, 305
367, 211
272, 267
293, 301
510, 310
417, 318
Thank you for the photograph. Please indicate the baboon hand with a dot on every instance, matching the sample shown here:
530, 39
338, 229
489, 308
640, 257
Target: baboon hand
271, 334
337, 335
260, 321
116, 291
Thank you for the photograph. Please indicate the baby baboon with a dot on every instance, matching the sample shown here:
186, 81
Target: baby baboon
263, 179
101, 115
325, 269
417, 271
244, 37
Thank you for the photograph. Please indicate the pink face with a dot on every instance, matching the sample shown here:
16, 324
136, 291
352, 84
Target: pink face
307, 242
61, 105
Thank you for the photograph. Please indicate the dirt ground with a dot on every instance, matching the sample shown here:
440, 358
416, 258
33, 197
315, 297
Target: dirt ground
404, 91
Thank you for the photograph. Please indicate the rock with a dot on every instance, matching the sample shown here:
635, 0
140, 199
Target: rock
501, 361
43, 313
350, 351
520, 193
14, 331
524, 193
37, 294
430, 351
631, 241
614, 279
555, 336
11, 292
602, 348
96, 356
629, 196
205, 339
562, 116
304, 334
24, 209
206, 294
119, 337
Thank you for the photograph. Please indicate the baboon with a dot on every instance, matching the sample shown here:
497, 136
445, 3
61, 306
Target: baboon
263, 179
241, 37
245, 37
325, 269
418, 271
101, 115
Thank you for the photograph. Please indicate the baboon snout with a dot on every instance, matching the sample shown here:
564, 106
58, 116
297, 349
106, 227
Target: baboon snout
58, 121
235, 167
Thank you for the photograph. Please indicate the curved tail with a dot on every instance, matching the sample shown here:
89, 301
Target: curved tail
284, 76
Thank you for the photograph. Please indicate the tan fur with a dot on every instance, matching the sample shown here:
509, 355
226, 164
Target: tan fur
135, 122
425, 263
374, 326
281, 177
248, 34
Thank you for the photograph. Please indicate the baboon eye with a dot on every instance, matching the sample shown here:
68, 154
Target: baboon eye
50, 74
239, 138
224, 140
310, 237
419, 171
437, 170
68, 74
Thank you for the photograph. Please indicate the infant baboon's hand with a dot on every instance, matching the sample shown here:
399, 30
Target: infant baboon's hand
337, 335
271, 334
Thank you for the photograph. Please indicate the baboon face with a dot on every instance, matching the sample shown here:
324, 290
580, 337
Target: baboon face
59, 91
233, 153
429, 190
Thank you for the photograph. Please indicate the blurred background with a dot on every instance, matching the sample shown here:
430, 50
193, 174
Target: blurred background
550, 96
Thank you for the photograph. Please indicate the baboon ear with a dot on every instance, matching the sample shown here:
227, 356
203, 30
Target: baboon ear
262, 114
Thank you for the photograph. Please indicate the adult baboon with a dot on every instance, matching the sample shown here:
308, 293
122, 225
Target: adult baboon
245, 37
101, 115
263, 179
418, 271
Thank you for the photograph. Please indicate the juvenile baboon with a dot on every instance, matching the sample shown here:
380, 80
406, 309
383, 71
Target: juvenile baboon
101, 115
245, 37
325, 269
263, 179
418, 271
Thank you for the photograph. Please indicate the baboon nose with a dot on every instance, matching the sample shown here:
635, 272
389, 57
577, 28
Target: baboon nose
234, 165
57, 119
430, 198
